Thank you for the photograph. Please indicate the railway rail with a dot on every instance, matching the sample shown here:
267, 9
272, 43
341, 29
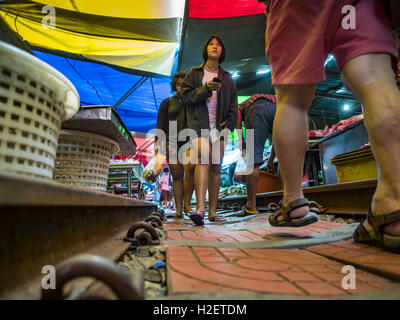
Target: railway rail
83, 234
44, 224
342, 199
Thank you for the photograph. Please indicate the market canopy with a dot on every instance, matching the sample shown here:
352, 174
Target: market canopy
106, 48
138, 35
241, 26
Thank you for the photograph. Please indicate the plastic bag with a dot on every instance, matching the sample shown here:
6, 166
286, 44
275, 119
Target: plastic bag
241, 167
153, 168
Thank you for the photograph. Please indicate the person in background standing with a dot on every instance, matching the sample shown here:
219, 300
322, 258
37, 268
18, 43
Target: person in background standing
165, 183
258, 113
174, 109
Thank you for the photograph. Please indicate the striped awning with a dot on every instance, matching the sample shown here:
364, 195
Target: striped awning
135, 34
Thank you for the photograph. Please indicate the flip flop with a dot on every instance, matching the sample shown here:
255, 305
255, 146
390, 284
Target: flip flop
188, 213
287, 221
218, 218
197, 217
245, 213
371, 231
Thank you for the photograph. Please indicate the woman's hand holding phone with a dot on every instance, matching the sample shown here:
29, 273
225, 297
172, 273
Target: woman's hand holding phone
214, 84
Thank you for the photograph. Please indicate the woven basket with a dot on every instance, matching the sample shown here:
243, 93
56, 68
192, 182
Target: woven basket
34, 99
83, 159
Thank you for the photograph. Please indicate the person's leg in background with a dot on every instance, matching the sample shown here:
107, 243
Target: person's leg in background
251, 184
177, 171
165, 197
258, 118
201, 148
169, 199
371, 78
188, 184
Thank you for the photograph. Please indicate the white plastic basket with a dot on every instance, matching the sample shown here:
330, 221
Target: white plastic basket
34, 99
83, 159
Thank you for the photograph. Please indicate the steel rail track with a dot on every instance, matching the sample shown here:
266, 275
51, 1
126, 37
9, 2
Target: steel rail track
44, 223
350, 198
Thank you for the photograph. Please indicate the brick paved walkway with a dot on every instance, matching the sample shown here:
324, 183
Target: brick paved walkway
198, 262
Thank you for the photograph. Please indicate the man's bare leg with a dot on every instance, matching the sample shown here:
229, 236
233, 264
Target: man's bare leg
251, 184
188, 186
290, 134
371, 78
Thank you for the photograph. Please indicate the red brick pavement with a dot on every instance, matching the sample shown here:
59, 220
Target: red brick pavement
218, 233
276, 271
367, 257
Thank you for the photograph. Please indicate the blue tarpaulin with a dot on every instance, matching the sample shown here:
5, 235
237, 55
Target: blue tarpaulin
99, 84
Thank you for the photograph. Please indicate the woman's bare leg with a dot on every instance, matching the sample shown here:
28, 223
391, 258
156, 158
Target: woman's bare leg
177, 172
214, 177
202, 147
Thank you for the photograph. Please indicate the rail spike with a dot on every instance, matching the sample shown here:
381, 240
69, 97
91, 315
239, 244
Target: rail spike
162, 218
100, 268
154, 220
161, 211
144, 233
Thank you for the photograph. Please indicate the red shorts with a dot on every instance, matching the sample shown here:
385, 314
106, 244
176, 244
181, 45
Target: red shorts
301, 33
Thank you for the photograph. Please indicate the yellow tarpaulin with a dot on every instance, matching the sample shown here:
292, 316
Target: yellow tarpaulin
141, 35
136, 9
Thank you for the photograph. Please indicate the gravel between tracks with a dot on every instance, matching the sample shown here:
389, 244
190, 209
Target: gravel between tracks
144, 259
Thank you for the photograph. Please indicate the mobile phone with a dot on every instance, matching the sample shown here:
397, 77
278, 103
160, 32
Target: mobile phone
216, 79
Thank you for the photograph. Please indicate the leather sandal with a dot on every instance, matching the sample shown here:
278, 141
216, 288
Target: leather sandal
371, 231
287, 221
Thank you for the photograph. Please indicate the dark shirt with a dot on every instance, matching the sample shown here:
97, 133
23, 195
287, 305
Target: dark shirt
247, 103
171, 109
194, 94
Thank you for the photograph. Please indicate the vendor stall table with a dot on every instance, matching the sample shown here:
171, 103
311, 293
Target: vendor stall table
349, 139
126, 174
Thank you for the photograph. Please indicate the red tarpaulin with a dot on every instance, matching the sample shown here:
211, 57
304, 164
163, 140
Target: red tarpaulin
147, 150
211, 9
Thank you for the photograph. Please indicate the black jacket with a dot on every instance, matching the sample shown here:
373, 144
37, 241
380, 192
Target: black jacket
171, 109
194, 94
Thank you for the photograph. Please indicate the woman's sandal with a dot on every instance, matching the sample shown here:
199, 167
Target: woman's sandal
245, 213
197, 217
287, 221
218, 218
371, 231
